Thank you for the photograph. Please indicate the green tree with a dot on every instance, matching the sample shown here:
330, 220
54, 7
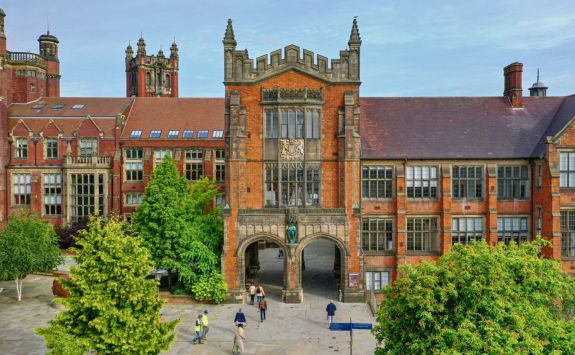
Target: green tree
181, 229
27, 245
477, 299
112, 308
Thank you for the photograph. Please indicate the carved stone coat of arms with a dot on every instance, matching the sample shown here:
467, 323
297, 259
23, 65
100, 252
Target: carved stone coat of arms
291, 149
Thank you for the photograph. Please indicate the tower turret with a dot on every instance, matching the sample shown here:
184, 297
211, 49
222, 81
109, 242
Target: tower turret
538, 88
354, 44
49, 50
230, 44
151, 75
141, 47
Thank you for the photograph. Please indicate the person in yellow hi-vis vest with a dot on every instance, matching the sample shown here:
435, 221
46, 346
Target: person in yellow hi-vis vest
206, 326
198, 330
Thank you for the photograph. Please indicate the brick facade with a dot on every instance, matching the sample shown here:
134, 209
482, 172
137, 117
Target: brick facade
515, 148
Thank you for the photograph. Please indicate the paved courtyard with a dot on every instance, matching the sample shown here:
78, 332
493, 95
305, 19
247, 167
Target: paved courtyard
289, 329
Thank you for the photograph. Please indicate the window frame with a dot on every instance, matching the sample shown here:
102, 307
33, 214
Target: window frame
50, 148
21, 148
504, 217
421, 179
50, 191
433, 239
476, 234
94, 148
130, 196
458, 182
173, 134
133, 165
388, 191
381, 236
24, 189
194, 163
568, 234
369, 279
568, 170
503, 185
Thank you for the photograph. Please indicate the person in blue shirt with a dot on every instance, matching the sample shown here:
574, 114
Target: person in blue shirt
240, 318
330, 309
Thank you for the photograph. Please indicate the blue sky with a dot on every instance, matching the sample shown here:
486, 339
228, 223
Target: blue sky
410, 48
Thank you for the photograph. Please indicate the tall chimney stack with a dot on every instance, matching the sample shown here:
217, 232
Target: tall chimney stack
513, 91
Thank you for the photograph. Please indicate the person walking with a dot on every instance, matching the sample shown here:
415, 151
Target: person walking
330, 309
198, 330
240, 319
259, 294
206, 325
239, 340
263, 306
252, 293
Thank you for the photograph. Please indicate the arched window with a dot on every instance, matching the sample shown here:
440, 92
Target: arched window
168, 80
148, 78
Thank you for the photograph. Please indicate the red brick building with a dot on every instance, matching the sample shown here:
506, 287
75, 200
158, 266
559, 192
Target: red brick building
301, 156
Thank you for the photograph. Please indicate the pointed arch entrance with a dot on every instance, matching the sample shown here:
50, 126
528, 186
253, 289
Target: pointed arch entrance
286, 276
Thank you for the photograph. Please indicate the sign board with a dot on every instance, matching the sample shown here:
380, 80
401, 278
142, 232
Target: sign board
340, 326
353, 279
366, 326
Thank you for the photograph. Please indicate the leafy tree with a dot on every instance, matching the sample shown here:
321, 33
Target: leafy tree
27, 245
112, 308
478, 299
179, 226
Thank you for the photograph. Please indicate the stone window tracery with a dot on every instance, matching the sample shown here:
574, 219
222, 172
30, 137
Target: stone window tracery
292, 153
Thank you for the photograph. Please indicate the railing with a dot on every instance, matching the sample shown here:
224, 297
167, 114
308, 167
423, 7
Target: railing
80, 161
373, 304
26, 57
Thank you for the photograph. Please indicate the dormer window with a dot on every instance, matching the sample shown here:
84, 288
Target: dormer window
88, 147
21, 148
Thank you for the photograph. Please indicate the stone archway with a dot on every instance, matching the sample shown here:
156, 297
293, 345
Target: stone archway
344, 253
243, 247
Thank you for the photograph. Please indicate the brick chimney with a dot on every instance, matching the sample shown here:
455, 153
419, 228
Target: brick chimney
513, 90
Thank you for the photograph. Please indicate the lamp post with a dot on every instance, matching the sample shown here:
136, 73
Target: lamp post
158, 273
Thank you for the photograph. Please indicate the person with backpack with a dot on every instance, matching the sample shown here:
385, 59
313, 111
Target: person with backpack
263, 306
259, 294
330, 309
198, 329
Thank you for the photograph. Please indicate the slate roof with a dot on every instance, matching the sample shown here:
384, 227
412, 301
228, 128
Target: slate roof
103, 112
165, 114
93, 106
458, 127
563, 116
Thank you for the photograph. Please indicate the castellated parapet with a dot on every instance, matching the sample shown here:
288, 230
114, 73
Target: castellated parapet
239, 68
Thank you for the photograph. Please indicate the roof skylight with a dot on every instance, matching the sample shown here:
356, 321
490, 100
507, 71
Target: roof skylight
217, 134
137, 133
202, 134
173, 134
58, 106
155, 133
78, 106
188, 134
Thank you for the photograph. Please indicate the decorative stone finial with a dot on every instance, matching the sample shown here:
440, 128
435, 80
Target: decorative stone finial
229, 38
354, 38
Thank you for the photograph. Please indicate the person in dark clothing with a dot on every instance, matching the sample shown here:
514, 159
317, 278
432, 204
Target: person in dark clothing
240, 318
263, 306
330, 309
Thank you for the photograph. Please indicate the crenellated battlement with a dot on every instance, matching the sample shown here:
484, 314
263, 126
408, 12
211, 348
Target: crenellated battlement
241, 69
